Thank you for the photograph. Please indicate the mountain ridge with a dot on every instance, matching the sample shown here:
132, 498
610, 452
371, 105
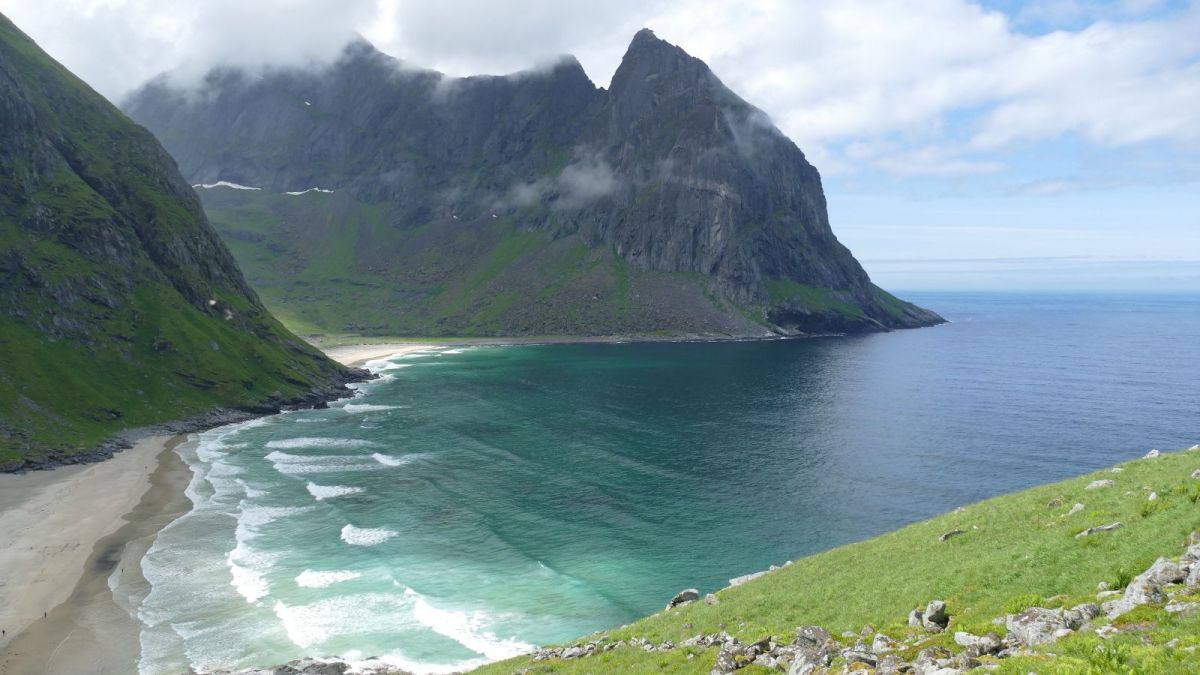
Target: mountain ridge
529, 204
122, 308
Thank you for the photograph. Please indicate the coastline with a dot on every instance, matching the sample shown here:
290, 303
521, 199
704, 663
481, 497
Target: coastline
62, 533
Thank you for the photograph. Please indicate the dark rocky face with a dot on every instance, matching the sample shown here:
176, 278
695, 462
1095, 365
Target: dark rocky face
668, 171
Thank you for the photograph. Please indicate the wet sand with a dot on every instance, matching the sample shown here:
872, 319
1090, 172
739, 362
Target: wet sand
75, 527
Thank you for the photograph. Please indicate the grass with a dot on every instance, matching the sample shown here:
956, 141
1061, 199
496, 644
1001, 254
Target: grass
815, 300
1018, 550
108, 268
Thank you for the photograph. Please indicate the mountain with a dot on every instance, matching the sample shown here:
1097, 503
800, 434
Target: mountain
528, 204
120, 307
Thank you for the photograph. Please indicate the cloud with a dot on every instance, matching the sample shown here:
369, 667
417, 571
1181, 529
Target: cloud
970, 82
587, 178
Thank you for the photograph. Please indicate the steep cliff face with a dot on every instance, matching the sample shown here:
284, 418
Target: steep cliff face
529, 204
120, 306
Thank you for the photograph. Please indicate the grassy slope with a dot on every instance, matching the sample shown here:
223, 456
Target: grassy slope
139, 352
1017, 552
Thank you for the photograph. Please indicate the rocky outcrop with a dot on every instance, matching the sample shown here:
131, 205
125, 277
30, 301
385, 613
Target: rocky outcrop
537, 190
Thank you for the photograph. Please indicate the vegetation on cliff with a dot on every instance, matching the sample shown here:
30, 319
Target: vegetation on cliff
119, 305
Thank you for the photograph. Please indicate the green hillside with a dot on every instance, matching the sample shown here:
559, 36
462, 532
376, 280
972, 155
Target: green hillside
120, 307
1012, 553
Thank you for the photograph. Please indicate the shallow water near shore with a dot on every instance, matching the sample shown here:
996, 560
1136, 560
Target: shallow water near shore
473, 502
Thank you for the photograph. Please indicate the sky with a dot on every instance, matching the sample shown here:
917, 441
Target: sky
1051, 144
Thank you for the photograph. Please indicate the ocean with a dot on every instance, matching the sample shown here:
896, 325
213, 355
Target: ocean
476, 501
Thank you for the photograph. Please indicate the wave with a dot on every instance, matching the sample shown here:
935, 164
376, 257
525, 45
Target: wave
367, 407
310, 442
388, 460
312, 624
465, 629
366, 536
329, 491
306, 464
315, 579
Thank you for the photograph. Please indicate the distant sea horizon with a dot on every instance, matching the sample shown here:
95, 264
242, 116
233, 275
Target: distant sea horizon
476, 501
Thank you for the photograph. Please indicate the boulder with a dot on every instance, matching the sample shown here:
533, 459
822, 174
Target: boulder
857, 655
684, 597
813, 648
1152, 454
935, 619
1102, 483
1164, 572
1039, 626
1196, 474
1185, 609
1144, 589
1193, 577
916, 618
1075, 509
881, 644
711, 599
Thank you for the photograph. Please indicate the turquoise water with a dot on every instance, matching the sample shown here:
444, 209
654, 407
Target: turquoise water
474, 502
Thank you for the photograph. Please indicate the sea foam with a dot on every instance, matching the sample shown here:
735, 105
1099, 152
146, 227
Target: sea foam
322, 492
315, 579
366, 536
309, 442
467, 629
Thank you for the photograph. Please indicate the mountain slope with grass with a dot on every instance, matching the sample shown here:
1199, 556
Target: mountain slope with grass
376, 198
1019, 566
120, 307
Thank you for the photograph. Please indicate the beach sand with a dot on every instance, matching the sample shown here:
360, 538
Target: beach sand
356, 355
62, 534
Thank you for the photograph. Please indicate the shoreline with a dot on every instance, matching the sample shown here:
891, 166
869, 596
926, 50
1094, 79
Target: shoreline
62, 533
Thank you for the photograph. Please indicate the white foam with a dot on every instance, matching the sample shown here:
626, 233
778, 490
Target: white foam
250, 583
312, 624
309, 442
300, 464
311, 189
367, 407
224, 183
388, 460
465, 629
315, 579
329, 491
366, 536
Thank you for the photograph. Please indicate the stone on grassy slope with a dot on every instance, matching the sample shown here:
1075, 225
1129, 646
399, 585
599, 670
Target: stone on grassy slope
1102, 483
1098, 528
684, 597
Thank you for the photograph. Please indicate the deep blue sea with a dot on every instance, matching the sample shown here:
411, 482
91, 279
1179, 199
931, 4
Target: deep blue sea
476, 501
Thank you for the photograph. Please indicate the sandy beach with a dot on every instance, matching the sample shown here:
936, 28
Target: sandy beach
62, 534
357, 355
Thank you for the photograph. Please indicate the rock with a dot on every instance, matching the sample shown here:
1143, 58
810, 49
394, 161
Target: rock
1104, 595
859, 656
928, 659
1039, 626
1153, 496
892, 665
738, 581
1102, 483
1099, 528
1194, 448
1078, 615
881, 644
1144, 589
1193, 577
1186, 609
935, 619
1152, 454
813, 648
1196, 474
684, 597
1075, 509
1105, 632
1116, 469
1056, 502
1164, 572
952, 533
1102, 586
711, 599
573, 652
916, 618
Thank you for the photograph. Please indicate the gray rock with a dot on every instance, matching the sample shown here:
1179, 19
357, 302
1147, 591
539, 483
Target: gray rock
935, 619
860, 656
916, 618
1193, 577
1153, 454
1142, 590
738, 581
711, 599
1102, 483
881, 644
684, 597
1075, 509
1036, 626
1099, 528
1196, 474
952, 533
1183, 608
1164, 572
573, 652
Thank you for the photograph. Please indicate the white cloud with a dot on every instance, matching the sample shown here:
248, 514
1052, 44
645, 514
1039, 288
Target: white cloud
945, 86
